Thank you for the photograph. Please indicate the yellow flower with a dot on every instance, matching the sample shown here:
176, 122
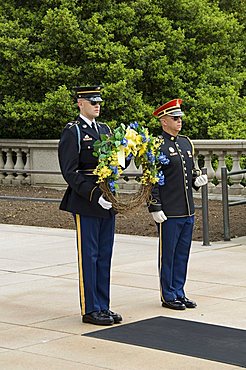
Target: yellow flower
142, 149
127, 151
102, 172
131, 136
139, 139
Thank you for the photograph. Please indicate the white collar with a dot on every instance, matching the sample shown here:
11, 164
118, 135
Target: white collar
89, 122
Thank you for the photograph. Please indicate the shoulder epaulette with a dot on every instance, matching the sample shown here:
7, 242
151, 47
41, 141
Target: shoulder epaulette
72, 123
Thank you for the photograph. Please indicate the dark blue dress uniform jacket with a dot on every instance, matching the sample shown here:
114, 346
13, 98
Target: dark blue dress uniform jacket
83, 192
175, 196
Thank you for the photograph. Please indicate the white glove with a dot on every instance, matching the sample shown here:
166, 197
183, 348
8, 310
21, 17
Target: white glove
104, 203
159, 216
201, 180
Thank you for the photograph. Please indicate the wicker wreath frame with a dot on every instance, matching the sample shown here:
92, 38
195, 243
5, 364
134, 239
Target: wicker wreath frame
134, 201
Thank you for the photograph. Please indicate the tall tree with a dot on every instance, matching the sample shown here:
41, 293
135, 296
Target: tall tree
143, 52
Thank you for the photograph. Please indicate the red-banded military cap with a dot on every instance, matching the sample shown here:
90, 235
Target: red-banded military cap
92, 93
171, 108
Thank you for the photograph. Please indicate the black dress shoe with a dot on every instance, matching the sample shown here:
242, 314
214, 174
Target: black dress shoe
187, 302
174, 305
97, 318
117, 317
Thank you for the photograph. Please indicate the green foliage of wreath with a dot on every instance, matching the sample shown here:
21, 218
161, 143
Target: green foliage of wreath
133, 142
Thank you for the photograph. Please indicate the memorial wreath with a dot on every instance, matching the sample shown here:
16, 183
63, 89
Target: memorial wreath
126, 143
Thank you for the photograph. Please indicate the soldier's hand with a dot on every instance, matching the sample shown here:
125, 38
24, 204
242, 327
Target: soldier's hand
159, 216
104, 203
201, 180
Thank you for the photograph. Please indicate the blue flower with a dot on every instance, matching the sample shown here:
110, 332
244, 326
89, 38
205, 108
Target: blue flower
163, 159
112, 185
114, 169
143, 137
151, 157
134, 125
124, 141
161, 178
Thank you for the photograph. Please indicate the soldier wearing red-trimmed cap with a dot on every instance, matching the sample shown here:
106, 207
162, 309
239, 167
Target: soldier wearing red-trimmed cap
172, 207
93, 214
171, 108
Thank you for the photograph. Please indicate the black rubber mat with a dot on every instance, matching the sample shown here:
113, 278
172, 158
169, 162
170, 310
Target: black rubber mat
211, 342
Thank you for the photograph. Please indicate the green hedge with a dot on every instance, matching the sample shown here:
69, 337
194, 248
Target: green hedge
143, 52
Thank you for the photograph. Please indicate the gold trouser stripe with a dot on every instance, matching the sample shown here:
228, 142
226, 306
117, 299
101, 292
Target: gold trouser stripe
81, 279
160, 257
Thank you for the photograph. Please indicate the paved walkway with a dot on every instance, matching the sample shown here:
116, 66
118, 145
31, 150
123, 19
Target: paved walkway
40, 324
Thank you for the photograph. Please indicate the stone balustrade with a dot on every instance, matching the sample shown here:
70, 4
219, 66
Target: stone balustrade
206, 150
31, 155
18, 156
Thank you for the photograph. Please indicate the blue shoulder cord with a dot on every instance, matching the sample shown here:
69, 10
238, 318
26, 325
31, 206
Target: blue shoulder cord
78, 132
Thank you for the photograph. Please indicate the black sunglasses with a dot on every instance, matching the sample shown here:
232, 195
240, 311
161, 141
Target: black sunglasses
175, 118
92, 102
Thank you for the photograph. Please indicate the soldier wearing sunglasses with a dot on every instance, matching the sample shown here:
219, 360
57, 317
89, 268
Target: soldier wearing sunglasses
172, 206
93, 214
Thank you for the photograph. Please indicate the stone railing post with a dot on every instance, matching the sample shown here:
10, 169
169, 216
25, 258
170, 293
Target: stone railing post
131, 185
27, 166
19, 165
207, 155
9, 165
1, 165
208, 164
221, 163
236, 186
